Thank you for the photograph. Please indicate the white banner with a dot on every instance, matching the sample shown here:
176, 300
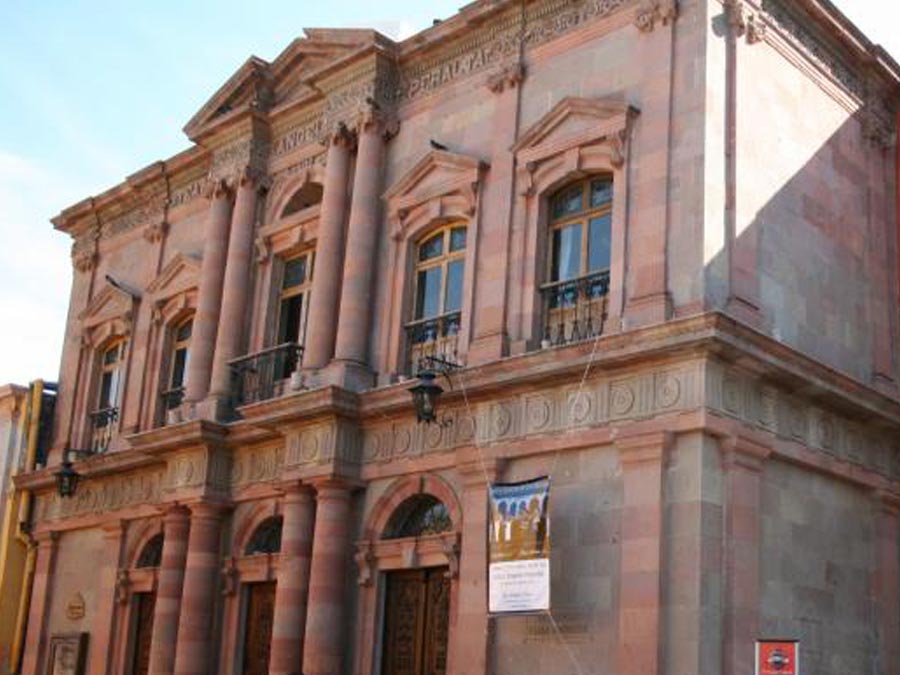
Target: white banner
519, 545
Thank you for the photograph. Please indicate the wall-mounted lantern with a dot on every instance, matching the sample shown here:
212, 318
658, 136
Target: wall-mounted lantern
427, 392
67, 477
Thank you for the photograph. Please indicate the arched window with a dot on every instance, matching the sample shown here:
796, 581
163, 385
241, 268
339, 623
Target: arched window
438, 294
308, 195
151, 554
266, 537
178, 363
418, 516
106, 414
580, 231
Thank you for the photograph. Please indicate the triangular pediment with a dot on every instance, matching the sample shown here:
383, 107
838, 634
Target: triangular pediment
112, 302
259, 85
575, 121
250, 87
180, 274
439, 173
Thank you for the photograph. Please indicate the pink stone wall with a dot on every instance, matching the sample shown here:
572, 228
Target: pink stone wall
815, 225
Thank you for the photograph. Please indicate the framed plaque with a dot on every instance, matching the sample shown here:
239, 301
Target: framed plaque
68, 654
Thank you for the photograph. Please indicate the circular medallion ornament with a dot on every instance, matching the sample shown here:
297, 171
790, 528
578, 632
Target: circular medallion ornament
621, 400
668, 391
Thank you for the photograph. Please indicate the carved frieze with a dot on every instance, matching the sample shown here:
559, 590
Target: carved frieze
257, 465
322, 443
248, 154
555, 410
187, 193
654, 12
102, 495
792, 418
207, 470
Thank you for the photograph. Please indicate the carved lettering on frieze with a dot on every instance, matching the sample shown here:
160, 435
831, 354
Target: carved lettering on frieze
296, 137
501, 42
188, 193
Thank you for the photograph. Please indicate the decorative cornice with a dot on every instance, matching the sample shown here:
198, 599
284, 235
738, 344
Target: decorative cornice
507, 77
655, 12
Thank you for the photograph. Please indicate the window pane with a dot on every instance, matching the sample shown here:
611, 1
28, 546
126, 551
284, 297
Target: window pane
566, 253
453, 297
179, 364
568, 202
106, 385
111, 355
601, 192
457, 239
432, 248
184, 331
289, 319
428, 293
294, 272
599, 243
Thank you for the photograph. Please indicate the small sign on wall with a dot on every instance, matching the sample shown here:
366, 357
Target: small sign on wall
777, 657
68, 653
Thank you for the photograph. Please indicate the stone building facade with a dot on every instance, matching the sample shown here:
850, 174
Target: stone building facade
660, 238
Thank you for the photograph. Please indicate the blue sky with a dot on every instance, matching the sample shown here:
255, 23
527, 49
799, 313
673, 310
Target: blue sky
91, 91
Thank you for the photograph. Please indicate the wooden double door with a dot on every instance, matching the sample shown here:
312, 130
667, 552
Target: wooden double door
258, 620
416, 622
145, 605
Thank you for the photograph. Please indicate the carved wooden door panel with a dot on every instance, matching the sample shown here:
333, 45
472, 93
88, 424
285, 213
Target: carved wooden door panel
143, 632
258, 627
416, 618
437, 622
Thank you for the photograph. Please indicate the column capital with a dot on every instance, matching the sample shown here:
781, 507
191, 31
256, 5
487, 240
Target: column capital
333, 488
208, 510
340, 136
217, 188
296, 490
474, 469
114, 529
371, 119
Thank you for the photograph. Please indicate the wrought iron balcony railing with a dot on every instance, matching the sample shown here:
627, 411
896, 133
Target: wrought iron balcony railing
433, 337
261, 376
103, 428
575, 309
172, 398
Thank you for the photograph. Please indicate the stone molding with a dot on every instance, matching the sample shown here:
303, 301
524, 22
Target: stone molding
655, 12
101, 496
203, 472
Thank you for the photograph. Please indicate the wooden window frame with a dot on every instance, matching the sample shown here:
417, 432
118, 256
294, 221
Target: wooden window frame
583, 218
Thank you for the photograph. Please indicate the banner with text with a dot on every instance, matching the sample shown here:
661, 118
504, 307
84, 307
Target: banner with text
519, 547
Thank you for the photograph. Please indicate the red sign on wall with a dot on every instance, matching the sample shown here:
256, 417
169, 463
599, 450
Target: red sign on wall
777, 657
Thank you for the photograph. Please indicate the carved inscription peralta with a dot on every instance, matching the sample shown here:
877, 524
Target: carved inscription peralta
303, 134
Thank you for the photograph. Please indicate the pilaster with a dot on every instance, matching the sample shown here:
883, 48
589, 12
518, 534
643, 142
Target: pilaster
167, 612
106, 632
36, 637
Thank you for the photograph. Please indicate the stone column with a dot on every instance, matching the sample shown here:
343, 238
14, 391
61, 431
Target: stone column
101, 658
168, 591
742, 463
212, 272
469, 651
323, 647
326, 282
289, 621
887, 583
35, 640
193, 653
357, 296
640, 578
233, 320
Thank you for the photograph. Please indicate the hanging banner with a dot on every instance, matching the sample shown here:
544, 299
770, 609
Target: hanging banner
777, 657
519, 547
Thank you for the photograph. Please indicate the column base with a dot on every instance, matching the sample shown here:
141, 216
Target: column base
350, 375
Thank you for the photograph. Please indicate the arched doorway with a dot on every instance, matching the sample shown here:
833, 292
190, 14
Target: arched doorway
417, 601
258, 602
143, 604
